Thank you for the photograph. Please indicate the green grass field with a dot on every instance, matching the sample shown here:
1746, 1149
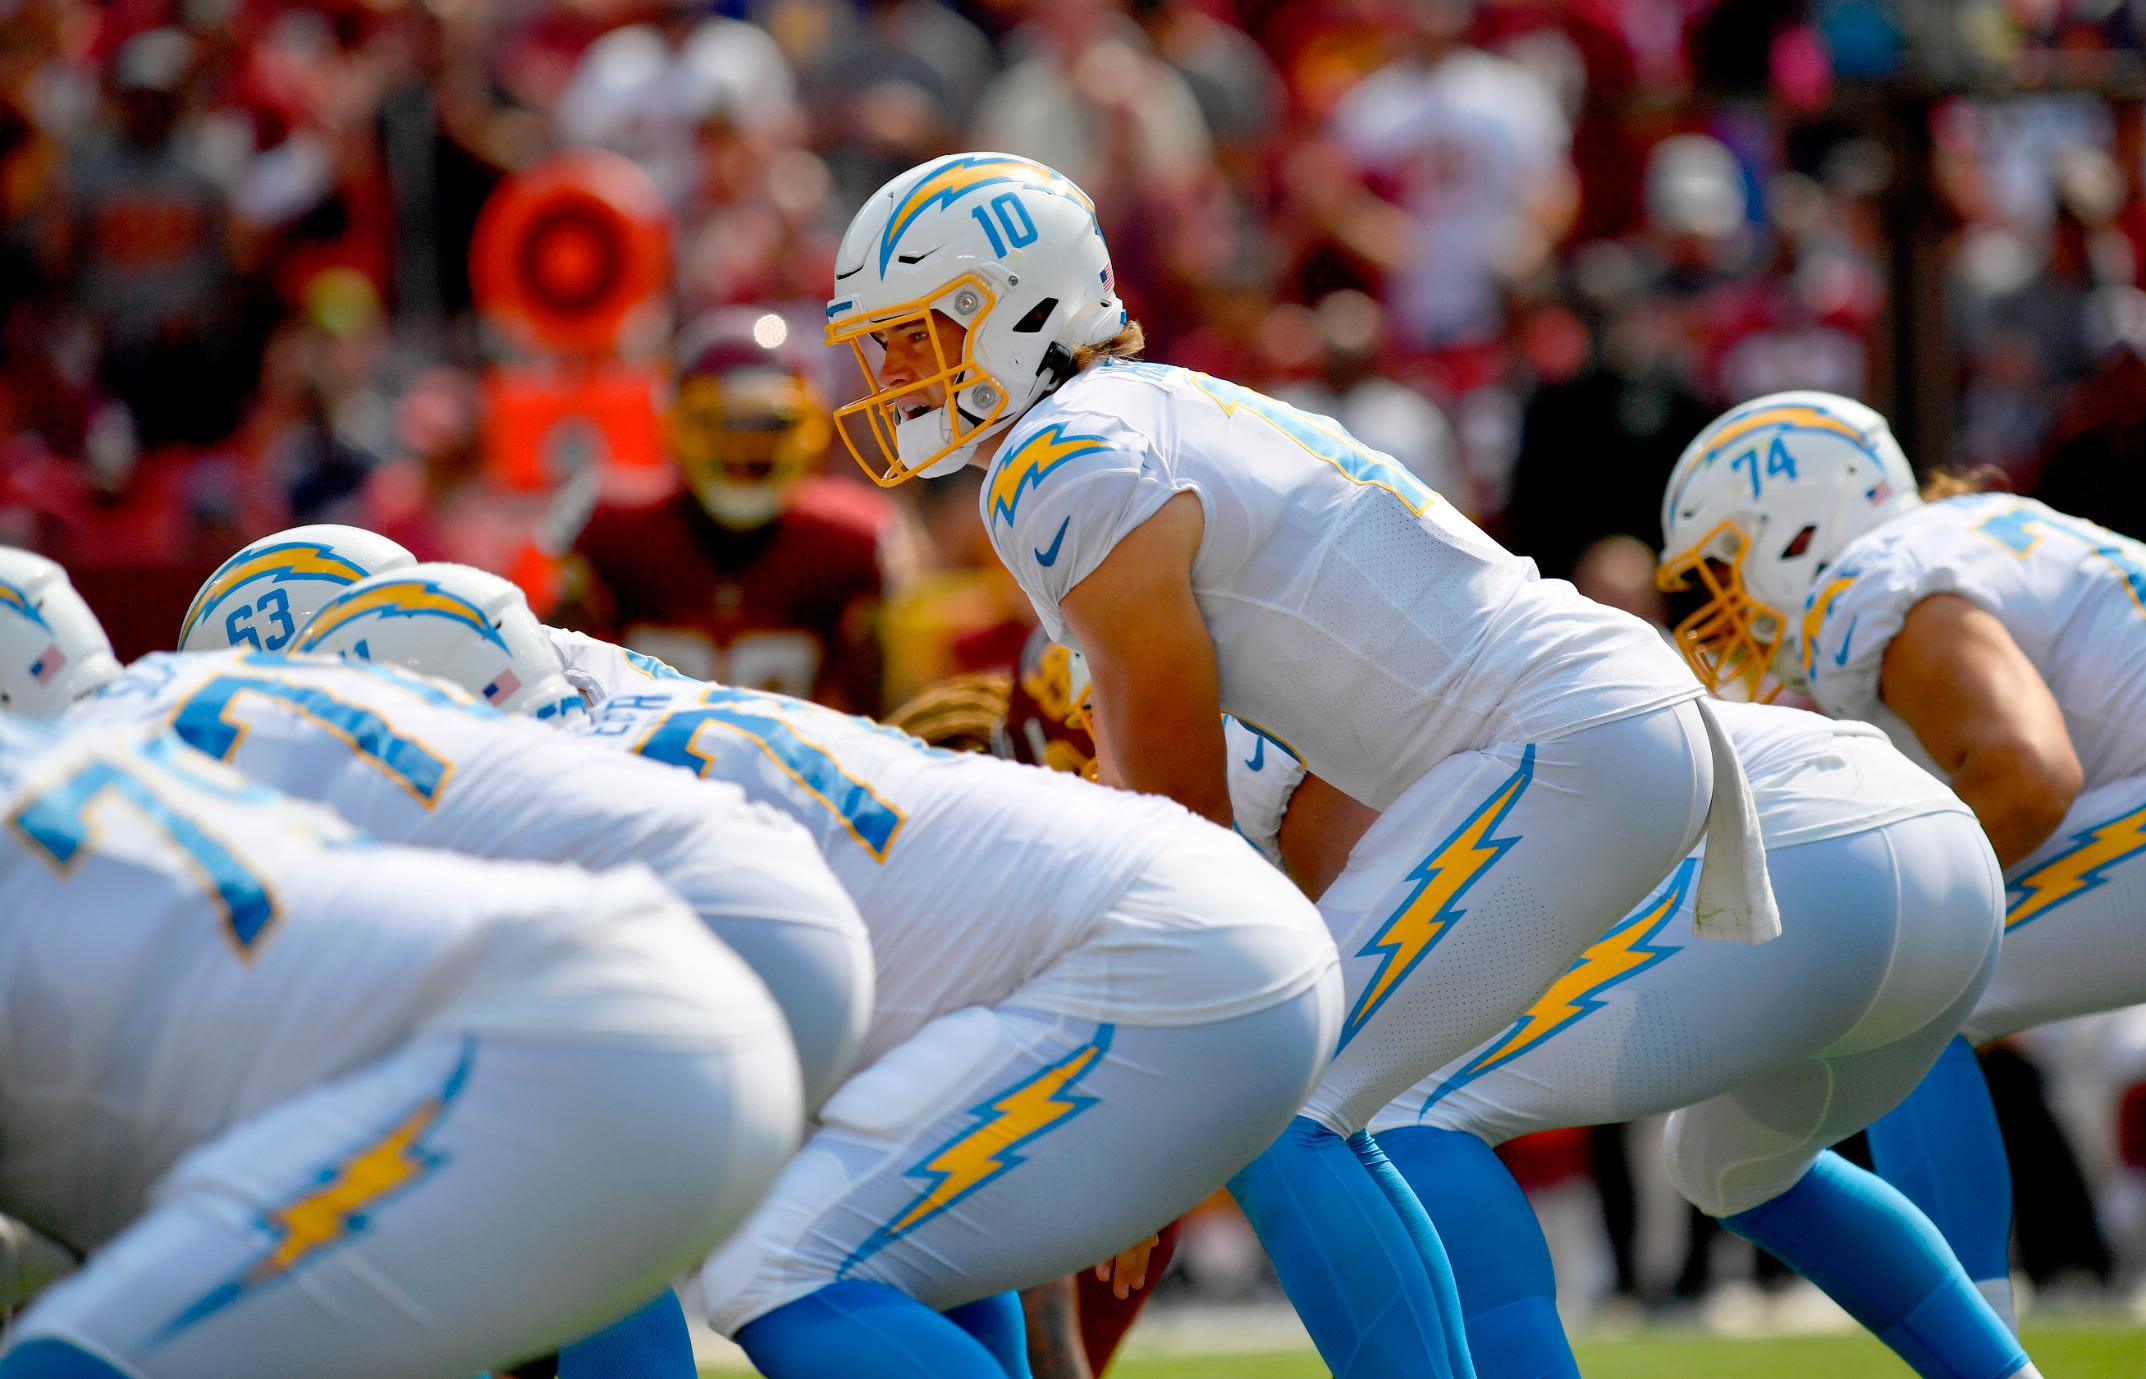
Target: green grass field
2060, 1352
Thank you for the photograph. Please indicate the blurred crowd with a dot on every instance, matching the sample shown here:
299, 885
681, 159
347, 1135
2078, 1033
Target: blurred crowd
1528, 247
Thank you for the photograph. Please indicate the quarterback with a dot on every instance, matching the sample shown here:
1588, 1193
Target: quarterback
318, 1107
1998, 642
1765, 1057
1088, 1015
1540, 760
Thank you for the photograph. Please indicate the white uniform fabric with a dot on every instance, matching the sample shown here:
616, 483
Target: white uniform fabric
976, 878
351, 1098
1357, 616
2073, 596
1892, 912
415, 761
1480, 886
1001, 1148
1811, 777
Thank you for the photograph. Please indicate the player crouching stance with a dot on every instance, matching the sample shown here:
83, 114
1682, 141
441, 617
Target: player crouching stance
323, 1109
1891, 908
1090, 1012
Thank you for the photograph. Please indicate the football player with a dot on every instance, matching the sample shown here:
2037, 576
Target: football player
319, 1108
1089, 1014
757, 570
420, 763
260, 597
1998, 642
1891, 910
1540, 761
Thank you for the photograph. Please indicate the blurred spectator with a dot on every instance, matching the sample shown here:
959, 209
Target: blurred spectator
145, 239
1086, 95
2096, 467
647, 89
1472, 154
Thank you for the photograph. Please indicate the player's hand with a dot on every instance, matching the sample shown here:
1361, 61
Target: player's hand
1128, 1272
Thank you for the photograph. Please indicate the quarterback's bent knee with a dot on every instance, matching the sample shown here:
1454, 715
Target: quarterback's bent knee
47, 1357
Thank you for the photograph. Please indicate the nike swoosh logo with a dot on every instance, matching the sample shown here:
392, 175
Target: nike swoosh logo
1840, 657
1259, 754
1050, 557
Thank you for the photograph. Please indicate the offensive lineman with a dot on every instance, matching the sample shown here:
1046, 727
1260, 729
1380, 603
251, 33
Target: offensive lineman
418, 763
1999, 642
324, 1109
1540, 760
1089, 1013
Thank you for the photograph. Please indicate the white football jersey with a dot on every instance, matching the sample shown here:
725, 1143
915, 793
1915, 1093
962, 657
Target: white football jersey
181, 947
1811, 777
974, 876
1356, 615
414, 760
2072, 594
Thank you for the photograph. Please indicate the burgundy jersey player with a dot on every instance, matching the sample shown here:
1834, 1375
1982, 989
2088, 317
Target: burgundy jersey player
755, 570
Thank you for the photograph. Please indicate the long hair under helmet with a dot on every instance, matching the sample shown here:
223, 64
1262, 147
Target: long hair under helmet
1002, 245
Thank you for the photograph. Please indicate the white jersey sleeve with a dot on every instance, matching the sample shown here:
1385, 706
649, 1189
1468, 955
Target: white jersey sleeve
2071, 594
600, 669
1059, 497
1263, 776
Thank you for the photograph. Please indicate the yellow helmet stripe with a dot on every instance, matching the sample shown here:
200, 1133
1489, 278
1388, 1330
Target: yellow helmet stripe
297, 560
402, 598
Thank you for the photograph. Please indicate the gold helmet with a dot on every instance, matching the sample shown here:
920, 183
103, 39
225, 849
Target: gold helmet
747, 424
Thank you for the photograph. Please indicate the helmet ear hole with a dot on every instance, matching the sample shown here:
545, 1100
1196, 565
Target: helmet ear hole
1037, 315
1800, 543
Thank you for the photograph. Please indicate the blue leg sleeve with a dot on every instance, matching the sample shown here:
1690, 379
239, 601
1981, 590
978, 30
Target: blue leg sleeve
1942, 1149
999, 1325
649, 1344
860, 1328
1872, 1252
1429, 1248
1501, 1263
1344, 1257
45, 1358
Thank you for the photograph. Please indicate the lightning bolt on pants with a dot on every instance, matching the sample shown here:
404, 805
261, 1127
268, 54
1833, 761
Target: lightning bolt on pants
1001, 1148
559, 1186
1486, 880
2075, 935
1773, 1053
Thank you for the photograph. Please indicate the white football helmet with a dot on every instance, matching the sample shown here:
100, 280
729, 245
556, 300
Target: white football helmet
1759, 505
1003, 246
264, 594
52, 648
464, 625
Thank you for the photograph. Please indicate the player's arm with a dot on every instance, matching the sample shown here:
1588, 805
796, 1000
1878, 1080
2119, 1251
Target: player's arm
1158, 697
1984, 715
1318, 832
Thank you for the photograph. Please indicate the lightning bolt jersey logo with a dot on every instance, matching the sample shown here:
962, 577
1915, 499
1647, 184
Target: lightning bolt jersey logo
402, 598
945, 185
17, 601
1814, 618
337, 1207
1623, 953
299, 560
2076, 870
1028, 466
987, 1150
1433, 907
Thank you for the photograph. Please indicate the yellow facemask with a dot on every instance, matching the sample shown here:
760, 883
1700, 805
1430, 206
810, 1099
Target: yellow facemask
1730, 641
880, 411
